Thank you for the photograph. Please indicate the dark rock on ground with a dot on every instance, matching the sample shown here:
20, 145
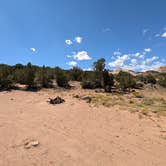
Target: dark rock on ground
57, 100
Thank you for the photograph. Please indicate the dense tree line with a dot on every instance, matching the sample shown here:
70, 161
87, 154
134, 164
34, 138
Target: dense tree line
35, 77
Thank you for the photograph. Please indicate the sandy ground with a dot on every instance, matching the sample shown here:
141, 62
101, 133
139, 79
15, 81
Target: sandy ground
75, 134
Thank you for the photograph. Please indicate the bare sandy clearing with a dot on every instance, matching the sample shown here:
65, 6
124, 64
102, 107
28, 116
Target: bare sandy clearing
73, 133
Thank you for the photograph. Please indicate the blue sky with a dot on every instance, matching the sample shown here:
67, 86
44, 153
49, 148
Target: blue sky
127, 33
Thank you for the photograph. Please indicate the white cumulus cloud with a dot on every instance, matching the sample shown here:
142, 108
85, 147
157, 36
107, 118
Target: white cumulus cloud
136, 61
68, 42
149, 60
164, 35
81, 55
147, 49
87, 69
78, 39
119, 61
137, 54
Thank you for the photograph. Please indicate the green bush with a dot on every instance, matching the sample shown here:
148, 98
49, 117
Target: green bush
162, 81
6, 77
139, 85
90, 80
61, 79
141, 78
150, 79
30, 76
108, 81
126, 80
43, 78
99, 78
76, 74
90, 84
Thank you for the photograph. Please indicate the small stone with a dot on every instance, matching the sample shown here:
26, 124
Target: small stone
88, 99
27, 145
35, 143
30, 143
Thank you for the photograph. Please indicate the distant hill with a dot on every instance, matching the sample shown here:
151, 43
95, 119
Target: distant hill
162, 69
125, 70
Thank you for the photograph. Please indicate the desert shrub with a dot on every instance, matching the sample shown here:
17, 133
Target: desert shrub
86, 84
76, 74
43, 78
139, 85
131, 102
99, 78
62, 79
145, 112
148, 101
162, 81
141, 78
150, 79
57, 70
126, 80
108, 81
138, 95
6, 77
90, 80
20, 76
29, 76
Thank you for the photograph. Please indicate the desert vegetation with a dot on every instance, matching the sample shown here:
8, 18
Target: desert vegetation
45, 77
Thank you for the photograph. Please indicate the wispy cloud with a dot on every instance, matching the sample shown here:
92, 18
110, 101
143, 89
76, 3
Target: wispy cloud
157, 35
72, 63
145, 31
152, 35
162, 33
117, 53
78, 39
104, 30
